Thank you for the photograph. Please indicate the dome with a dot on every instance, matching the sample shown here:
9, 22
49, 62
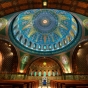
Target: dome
44, 31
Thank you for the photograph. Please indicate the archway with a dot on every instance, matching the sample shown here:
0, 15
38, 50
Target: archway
8, 57
44, 66
80, 58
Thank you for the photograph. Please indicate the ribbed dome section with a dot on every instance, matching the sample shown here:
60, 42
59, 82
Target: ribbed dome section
44, 31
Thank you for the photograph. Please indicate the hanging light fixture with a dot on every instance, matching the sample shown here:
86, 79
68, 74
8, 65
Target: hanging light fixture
45, 3
44, 63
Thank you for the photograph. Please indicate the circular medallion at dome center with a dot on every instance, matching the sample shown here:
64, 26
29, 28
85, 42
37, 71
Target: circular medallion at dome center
45, 21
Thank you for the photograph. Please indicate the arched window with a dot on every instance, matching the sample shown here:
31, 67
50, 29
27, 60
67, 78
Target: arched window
44, 73
39, 74
32, 72
56, 73
49, 73
53, 73
35, 73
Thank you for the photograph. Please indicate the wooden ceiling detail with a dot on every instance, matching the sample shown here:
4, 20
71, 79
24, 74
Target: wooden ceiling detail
10, 6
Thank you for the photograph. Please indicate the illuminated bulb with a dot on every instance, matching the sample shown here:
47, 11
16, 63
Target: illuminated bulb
21, 71
69, 70
44, 63
79, 45
9, 45
44, 3
11, 53
78, 53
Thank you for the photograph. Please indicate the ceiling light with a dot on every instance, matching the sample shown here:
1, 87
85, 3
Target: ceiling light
79, 45
44, 63
44, 2
9, 44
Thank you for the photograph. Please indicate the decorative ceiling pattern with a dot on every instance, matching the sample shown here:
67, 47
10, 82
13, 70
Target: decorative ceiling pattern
39, 63
44, 31
11, 6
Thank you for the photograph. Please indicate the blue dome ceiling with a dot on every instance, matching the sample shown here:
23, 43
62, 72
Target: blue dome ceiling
44, 31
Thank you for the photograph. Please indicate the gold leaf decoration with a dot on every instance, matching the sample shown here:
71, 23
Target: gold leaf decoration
27, 26
63, 27
27, 17
32, 31
58, 32
62, 17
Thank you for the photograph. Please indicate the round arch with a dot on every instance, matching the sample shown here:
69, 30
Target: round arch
80, 58
43, 58
8, 56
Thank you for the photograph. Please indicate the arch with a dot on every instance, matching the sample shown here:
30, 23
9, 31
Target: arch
44, 73
40, 74
36, 58
80, 58
53, 73
9, 56
49, 73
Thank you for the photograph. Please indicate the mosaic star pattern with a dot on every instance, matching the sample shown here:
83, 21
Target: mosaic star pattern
44, 30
